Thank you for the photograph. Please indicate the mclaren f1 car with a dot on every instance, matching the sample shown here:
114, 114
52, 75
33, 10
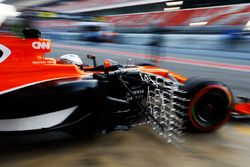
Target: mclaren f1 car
40, 94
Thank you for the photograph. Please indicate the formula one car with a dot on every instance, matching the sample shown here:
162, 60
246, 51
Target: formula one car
39, 94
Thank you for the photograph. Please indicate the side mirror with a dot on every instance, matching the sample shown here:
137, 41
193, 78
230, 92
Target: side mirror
92, 57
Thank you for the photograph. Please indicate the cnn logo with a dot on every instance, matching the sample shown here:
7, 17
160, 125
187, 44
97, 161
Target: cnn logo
41, 45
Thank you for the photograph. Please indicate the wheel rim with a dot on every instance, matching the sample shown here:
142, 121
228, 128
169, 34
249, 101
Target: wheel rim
210, 109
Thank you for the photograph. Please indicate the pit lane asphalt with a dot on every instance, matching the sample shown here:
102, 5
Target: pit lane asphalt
227, 147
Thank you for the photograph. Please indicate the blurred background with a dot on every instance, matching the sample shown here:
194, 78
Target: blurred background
207, 38
133, 22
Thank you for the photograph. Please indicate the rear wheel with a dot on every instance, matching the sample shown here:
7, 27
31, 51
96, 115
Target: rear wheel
210, 104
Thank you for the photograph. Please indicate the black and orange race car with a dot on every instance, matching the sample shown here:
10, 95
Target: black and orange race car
40, 94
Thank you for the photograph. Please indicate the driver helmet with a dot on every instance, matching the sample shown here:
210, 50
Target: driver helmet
71, 59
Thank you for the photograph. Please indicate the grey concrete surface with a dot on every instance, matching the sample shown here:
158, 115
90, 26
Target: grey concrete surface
140, 147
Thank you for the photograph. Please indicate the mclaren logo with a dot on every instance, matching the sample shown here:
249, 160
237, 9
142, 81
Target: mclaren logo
4, 53
41, 45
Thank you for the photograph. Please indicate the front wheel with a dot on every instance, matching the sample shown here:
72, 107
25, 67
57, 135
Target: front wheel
210, 104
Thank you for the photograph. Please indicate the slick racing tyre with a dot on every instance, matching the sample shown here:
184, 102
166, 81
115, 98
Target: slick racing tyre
209, 104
